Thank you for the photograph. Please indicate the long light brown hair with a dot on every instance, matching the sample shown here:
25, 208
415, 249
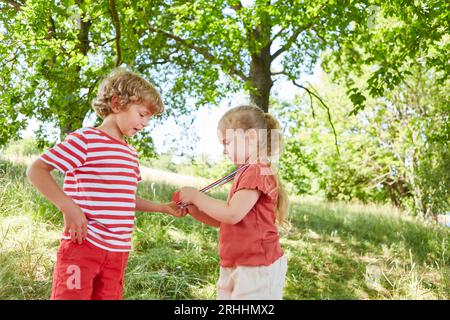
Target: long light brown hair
247, 117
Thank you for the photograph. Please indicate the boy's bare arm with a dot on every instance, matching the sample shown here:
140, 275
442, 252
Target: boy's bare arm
75, 221
202, 217
149, 206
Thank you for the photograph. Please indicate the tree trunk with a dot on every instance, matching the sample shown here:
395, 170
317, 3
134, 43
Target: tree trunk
77, 110
261, 79
389, 185
64, 131
76, 122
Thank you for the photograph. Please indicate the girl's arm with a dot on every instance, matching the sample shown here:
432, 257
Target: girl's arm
231, 213
202, 217
149, 206
75, 221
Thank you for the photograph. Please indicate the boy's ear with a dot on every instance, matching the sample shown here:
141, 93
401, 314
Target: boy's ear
115, 103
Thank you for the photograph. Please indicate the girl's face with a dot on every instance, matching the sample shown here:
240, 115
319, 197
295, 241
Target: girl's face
239, 145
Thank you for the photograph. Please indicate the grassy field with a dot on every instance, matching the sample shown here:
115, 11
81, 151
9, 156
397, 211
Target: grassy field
335, 250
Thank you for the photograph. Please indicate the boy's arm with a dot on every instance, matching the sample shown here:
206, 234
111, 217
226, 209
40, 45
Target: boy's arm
202, 217
231, 213
75, 221
149, 206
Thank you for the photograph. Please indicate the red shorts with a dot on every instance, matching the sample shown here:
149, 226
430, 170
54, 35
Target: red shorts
86, 272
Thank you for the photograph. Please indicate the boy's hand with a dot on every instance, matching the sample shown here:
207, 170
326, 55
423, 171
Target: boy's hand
176, 197
75, 223
173, 209
188, 194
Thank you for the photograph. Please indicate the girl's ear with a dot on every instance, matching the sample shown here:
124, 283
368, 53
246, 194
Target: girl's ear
252, 134
115, 104
252, 138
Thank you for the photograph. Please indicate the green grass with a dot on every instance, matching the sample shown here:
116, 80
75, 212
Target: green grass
335, 250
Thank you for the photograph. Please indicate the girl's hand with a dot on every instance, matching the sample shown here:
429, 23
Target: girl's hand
173, 209
188, 194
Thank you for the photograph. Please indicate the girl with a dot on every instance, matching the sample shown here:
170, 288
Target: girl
252, 263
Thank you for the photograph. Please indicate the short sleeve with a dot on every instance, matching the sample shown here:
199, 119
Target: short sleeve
138, 174
254, 177
137, 169
69, 154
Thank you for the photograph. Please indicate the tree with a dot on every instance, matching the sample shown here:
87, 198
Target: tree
49, 75
396, 149
197, 52
207, 39
260, 43
396, 36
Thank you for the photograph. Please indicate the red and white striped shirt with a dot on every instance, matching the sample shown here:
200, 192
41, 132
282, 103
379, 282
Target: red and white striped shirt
101, 176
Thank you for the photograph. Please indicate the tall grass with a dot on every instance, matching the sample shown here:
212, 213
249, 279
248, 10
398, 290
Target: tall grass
335, 250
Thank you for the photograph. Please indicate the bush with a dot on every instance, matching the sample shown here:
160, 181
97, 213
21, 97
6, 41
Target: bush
25, 148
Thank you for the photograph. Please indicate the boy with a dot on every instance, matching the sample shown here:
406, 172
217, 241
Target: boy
99, 200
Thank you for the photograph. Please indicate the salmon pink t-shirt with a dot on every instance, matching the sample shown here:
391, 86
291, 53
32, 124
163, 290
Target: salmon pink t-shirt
254, 241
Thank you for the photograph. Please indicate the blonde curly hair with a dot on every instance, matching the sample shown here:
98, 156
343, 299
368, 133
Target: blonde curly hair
129, 87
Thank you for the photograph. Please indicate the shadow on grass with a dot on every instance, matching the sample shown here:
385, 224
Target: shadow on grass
333, 278
427, 243
177, 258
173, 258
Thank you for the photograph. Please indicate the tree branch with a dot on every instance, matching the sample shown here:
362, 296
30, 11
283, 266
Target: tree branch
277, 34
294, 36
288, 44
116, 23
278, 73
250, 33
311, 93
202, 51
104, 42
13, 60
83, 32
319, 35
237, 7
16, 5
